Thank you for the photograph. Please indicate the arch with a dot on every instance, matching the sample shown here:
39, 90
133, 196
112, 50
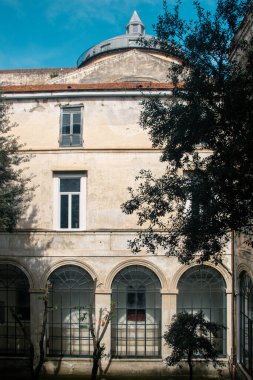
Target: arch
14, 300
144, 263
136, 328
50, 269
203, 288
224, 273
244, 268
22, 268
70, 295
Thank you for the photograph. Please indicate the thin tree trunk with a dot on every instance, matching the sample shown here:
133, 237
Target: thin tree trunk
95, 367
189, 360
37, 369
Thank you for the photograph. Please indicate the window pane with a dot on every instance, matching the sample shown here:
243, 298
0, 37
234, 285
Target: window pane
64, 211
2, 313
76, 129
75, 211
140, 300
76, 123
130, 300
66, 130
23, 304
70, 185
76, 140
65, 123
65, 140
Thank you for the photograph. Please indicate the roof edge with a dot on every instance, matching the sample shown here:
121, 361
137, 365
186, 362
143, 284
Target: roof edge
88, 87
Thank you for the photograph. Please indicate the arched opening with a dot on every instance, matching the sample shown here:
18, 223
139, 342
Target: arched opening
14, 298
69, 299
136, 326
203, 288
246, 322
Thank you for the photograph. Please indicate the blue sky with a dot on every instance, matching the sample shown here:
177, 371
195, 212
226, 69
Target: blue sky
53, 33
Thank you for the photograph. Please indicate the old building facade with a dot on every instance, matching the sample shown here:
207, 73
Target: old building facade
81, 127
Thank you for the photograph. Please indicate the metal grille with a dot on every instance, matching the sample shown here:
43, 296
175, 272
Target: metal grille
203, 288
69, 301
246, 323
14, 294
136, 326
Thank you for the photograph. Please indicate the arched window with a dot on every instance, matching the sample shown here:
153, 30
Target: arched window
136, 326
203, 288
69, 299
14, 298
246, 322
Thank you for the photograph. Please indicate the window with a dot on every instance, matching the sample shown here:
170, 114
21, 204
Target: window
105, 47
14, 295
71, 126
70, 200
135, 28
69, 300
246, 322
203, 288
136, 301
136, 326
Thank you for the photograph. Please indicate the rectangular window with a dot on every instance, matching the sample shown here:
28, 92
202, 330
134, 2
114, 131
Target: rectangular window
136, 303
70, 200
71, 126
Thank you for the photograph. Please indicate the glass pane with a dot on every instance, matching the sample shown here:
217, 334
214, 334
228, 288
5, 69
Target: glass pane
65, 140
140, 299
76, 123
130, 300
76, 129
65, 123
64, 211
66, 130
70, 184
75, 212
76, 140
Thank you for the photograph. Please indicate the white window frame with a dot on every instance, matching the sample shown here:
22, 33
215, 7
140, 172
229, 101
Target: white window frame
57, 176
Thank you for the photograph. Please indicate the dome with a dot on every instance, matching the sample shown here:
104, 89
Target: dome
135, 29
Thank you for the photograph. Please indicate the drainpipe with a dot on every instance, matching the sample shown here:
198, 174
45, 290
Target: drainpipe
233, 352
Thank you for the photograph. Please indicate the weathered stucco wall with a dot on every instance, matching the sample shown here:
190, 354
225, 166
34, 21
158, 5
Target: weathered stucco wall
132, 65
108, 123
30, 76
127, 66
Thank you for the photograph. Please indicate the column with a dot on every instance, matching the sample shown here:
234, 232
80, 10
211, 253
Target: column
169, 308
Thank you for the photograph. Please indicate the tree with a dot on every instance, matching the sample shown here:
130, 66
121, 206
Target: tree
192, 208
14, 192
189, 337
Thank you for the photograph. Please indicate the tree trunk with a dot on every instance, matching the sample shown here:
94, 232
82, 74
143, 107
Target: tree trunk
95, 366
189, 360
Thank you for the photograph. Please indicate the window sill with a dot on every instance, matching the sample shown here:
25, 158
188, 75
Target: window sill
70, 146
